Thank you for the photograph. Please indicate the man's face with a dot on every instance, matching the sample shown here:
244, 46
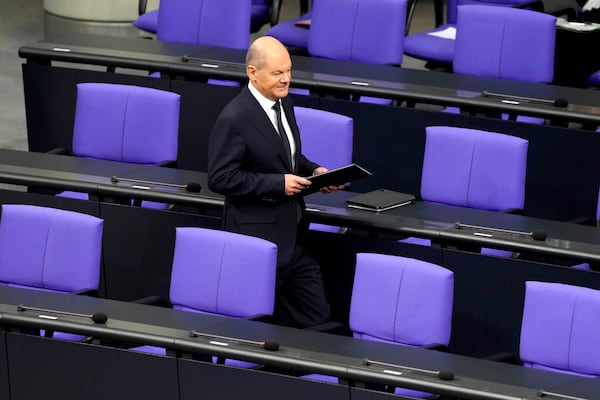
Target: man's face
273, 78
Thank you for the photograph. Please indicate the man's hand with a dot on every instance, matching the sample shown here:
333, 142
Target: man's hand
294, 184
327, 189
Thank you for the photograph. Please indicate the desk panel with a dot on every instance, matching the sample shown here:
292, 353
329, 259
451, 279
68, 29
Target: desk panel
388, 140
47, 368
138, 248
4, 387
488, 299
50, 95
220, 382
300, 351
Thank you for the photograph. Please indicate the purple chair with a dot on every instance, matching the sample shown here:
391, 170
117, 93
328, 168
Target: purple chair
327, 139
472, 168
263, 11
435, 46
402, 301
362, 31
293, 33
559, 330
489, 43
222, 273
125, 123
222, 23
52, 250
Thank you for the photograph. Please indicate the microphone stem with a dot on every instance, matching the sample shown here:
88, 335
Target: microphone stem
117, 179
461, 225
543, 393
209, 336
383, 364
44, 310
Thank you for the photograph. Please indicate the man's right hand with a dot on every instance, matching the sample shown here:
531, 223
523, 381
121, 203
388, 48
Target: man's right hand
294, 184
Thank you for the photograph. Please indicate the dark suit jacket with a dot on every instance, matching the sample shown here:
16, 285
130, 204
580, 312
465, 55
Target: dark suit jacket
247, 163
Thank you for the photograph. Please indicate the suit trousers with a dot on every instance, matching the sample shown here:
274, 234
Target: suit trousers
300, 299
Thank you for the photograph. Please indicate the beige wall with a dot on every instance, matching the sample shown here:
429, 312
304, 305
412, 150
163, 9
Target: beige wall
97, 10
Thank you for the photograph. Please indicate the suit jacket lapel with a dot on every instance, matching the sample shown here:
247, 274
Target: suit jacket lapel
262, 123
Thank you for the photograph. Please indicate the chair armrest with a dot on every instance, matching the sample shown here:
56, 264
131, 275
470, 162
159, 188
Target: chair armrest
152, 301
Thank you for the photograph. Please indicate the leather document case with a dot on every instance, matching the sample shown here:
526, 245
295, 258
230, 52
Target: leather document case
380, 200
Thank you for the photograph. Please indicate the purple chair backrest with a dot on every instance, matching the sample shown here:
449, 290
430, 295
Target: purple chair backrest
365, 31
326, 136
223, 23
560, 328
49, 249
504, 42
473, 168
401, 300
126, 123
223, 273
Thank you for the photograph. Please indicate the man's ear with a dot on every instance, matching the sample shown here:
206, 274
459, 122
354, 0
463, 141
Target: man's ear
251, 71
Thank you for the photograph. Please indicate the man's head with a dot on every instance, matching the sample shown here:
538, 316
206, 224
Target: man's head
269, 67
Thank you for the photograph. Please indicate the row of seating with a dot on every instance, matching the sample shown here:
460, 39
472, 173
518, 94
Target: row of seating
395, 299
481, 40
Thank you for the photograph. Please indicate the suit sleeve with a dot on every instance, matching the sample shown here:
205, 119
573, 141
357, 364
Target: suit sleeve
234, 169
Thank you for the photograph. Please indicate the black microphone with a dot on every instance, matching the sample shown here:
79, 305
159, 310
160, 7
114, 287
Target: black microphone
267, 345
190, 187
559, 102
443, 374
98, 318
535, 235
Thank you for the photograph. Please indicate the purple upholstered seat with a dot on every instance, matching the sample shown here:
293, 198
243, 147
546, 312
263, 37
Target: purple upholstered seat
48, 249
327, 139
224, 23
147, 21
402, 301
362, 31
223, 273
473, 168
261, 14
435, 45
125, 123
560, 327
292, 35
489, 43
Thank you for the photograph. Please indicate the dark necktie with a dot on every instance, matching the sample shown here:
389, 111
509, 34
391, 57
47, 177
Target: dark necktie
282, 134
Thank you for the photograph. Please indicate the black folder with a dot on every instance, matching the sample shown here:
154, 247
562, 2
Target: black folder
380, 200
335, 177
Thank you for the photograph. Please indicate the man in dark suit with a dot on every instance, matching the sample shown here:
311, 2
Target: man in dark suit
260, 171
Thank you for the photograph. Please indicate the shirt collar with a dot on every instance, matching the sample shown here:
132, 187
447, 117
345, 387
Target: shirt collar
266, 103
